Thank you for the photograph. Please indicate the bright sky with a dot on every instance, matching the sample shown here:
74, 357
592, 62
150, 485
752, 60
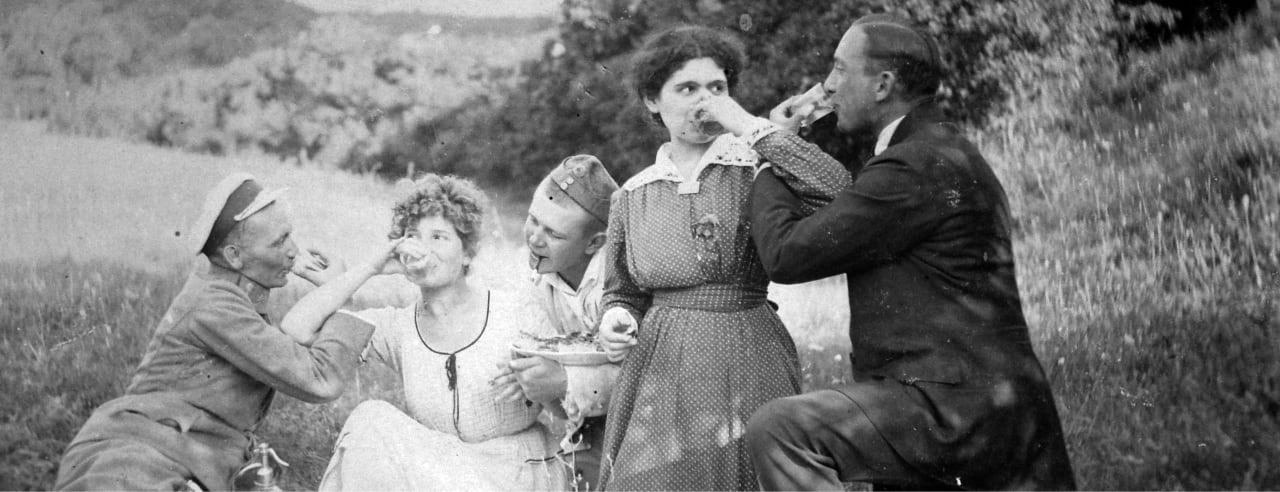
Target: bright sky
455, 7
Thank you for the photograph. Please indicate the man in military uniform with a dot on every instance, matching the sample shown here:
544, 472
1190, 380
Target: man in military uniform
564, 232
215, 362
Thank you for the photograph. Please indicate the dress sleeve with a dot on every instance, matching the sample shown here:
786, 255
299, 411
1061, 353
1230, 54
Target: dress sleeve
620, 289
815, 177
886, 211
318, 373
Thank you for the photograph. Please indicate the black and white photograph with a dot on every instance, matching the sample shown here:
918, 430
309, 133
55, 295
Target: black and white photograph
590, 245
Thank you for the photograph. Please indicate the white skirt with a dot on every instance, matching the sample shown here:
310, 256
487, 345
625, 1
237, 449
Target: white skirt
381, 448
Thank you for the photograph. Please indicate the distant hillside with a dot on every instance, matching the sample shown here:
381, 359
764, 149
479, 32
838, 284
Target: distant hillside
52, 50
407, 22
57, 51
138, 36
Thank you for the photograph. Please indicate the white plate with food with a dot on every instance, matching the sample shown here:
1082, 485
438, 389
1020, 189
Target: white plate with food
576, 349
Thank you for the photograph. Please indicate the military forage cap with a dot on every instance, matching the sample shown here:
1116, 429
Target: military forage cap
232, 200
587, 183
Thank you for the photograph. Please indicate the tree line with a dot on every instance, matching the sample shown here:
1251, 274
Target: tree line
350, 94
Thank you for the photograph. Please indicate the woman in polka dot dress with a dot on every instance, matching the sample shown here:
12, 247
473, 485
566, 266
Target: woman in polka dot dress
685, 292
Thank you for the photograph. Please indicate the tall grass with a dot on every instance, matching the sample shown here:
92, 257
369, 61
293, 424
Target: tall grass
1149, 262
1146, 245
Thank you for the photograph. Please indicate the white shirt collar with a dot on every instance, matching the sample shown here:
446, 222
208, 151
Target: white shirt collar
887, 134
726, 150
590, 277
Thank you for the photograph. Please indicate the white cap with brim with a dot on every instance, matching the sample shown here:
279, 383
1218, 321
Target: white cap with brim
235, 198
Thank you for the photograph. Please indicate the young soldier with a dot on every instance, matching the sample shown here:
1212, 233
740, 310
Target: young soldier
565, 231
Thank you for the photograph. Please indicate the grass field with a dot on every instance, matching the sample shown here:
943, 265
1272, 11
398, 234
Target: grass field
93, 252
1147, 249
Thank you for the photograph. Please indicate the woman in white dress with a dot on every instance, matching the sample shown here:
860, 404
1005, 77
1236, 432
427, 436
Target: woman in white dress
460, 431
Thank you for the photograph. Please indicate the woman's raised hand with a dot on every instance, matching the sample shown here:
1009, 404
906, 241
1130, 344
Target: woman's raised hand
316, 267
384, 260
727, 112
617, 333
801, 109
789, 114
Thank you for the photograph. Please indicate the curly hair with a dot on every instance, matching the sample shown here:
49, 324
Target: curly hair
667, 51
458, 200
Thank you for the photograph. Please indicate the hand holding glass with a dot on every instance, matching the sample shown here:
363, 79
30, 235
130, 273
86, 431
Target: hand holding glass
802, 110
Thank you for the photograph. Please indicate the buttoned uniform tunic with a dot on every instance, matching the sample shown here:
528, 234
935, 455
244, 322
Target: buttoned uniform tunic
205, 383
588, 388
710, 348
943, 366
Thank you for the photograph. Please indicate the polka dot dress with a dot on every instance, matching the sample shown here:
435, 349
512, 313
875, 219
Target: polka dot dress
710, 349
814, 176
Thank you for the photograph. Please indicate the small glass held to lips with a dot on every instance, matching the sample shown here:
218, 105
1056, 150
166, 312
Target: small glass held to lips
816, 96
706, 125
320, 259
409, 254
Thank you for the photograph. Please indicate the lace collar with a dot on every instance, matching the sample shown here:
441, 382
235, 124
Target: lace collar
726, 150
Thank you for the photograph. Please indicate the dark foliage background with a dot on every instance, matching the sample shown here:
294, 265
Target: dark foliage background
349, 92
573, 99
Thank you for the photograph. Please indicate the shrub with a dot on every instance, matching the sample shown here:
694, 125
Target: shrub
51, 51
335, 96
573, 99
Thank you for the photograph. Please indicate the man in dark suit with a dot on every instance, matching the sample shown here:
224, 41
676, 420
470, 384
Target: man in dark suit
947, 391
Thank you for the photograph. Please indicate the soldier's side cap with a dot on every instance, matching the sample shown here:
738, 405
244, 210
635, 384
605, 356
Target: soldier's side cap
892, 36
586, 181
232, 200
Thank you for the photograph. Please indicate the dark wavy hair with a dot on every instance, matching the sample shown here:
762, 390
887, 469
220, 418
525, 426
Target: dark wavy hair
918, 64
458, 200
667, 51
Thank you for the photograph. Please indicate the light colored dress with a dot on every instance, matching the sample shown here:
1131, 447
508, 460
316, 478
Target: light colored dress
458, 438
680, 258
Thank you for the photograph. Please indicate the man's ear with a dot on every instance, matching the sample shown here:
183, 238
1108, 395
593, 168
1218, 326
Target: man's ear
597, 242
886, 84
233, 255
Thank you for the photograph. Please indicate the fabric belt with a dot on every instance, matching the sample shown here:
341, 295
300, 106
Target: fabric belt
724, 298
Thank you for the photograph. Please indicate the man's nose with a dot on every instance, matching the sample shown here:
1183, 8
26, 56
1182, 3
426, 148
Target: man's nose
291, 249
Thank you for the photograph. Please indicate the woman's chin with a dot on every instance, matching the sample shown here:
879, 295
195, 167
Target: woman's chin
429, 281
424, 282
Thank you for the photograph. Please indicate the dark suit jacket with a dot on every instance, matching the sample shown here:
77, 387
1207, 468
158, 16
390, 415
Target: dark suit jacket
942, 360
